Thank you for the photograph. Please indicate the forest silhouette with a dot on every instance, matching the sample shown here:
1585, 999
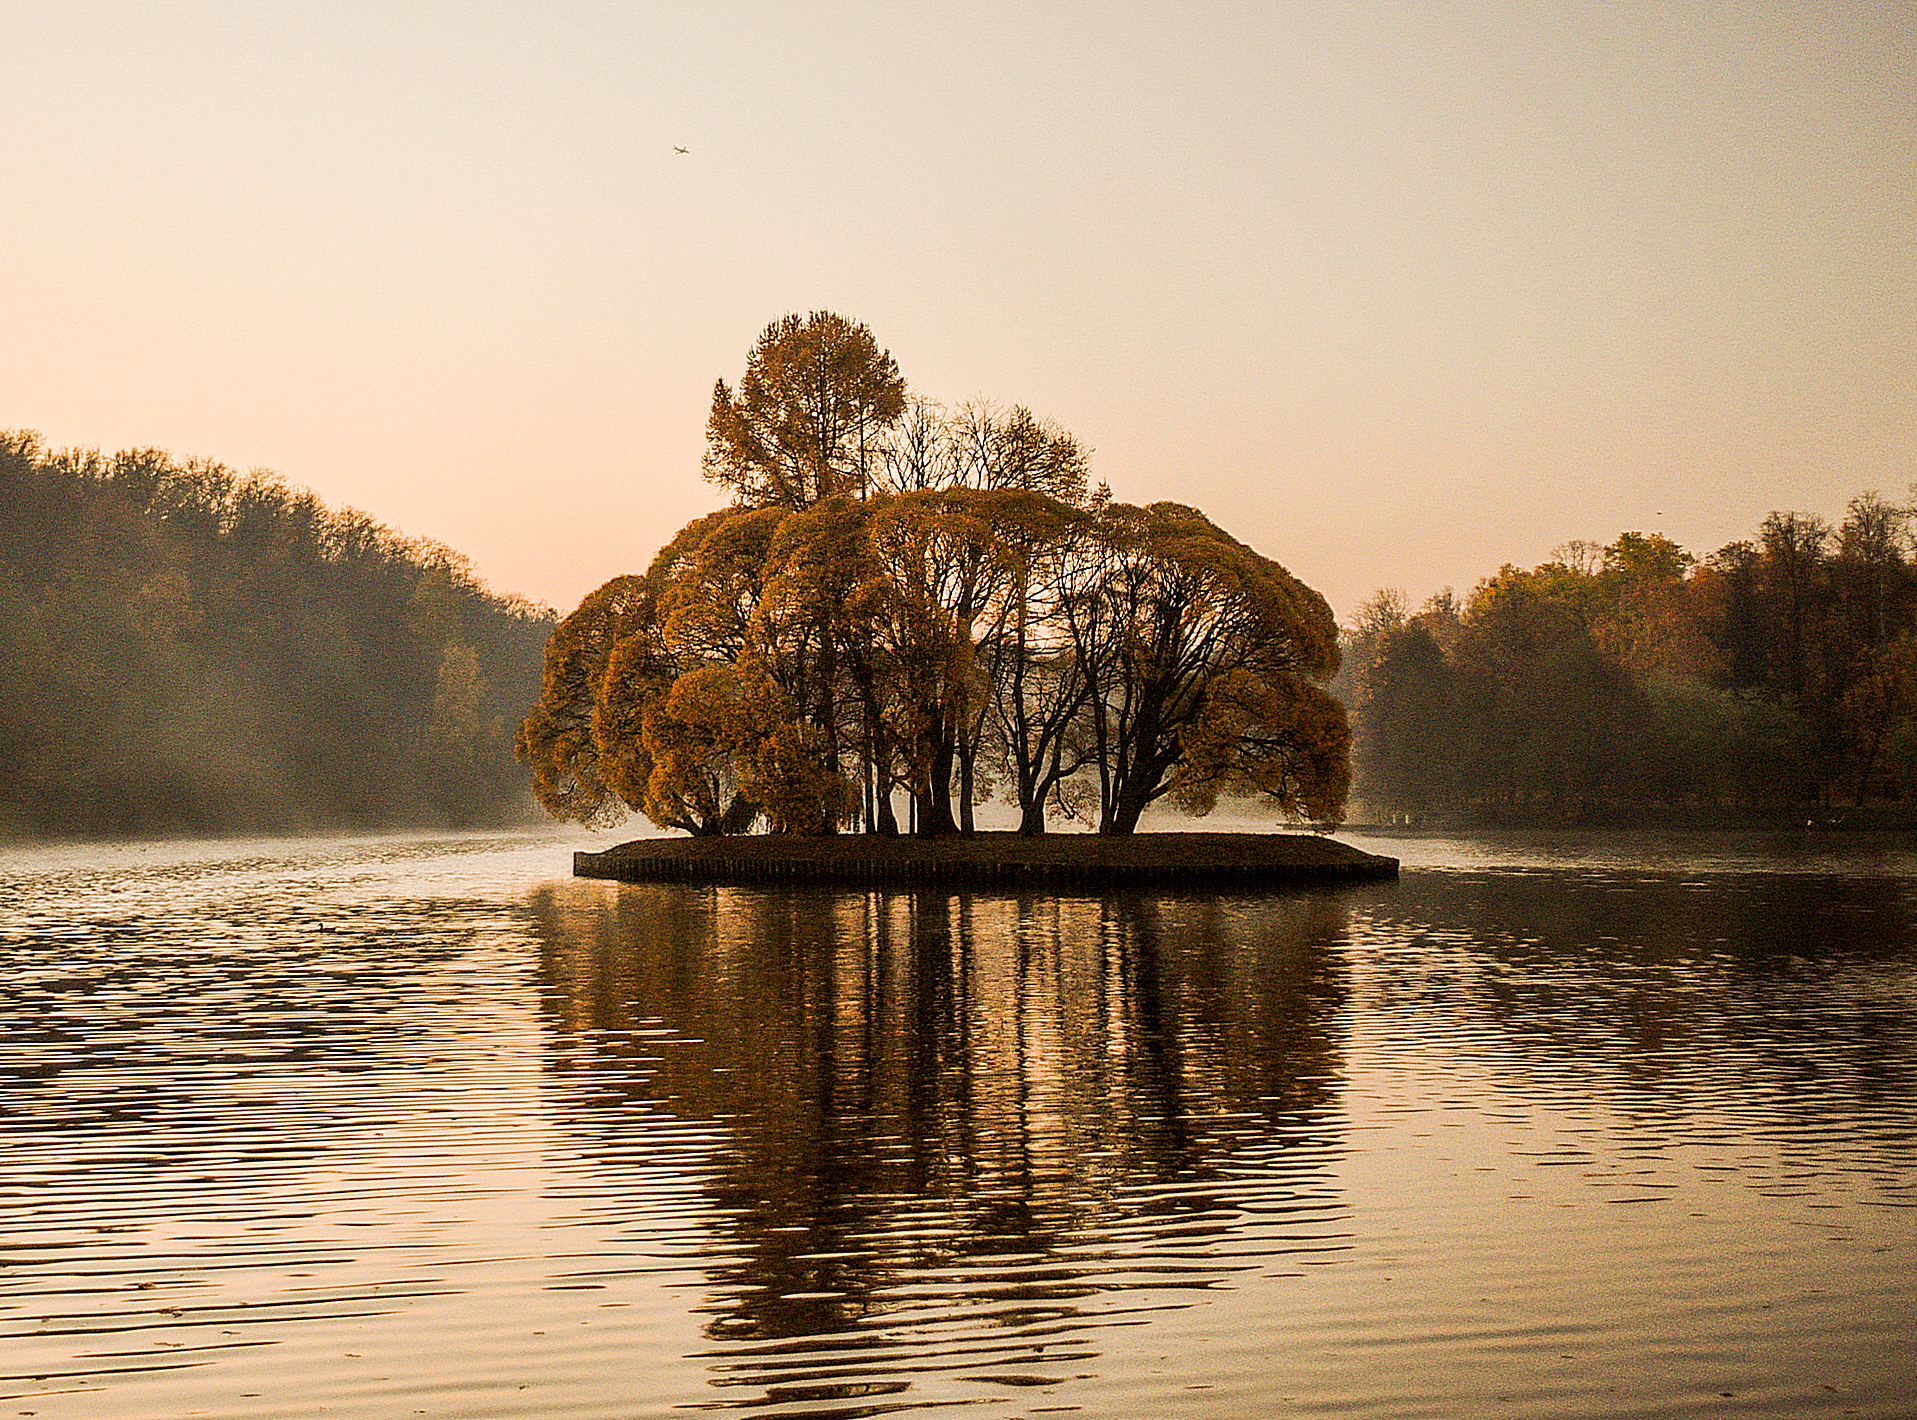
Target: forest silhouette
187, 649
1775, 678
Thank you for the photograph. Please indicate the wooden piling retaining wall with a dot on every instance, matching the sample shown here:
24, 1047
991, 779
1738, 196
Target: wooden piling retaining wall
632, 863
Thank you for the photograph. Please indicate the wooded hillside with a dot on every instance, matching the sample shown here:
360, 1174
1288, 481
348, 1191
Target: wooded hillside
187, 649
1778, 672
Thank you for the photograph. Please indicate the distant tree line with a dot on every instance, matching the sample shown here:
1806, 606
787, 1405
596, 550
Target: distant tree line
183, 648
905, 599
1779, 672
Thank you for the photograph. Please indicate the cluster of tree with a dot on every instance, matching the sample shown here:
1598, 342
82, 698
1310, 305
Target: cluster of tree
908, 598
186, 649
1775, 671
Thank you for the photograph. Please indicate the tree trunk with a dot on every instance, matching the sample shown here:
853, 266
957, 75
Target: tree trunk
739, 815
868, 814
967, 758
826, 717
935, 816
1102, 742
935, 804
1124, 816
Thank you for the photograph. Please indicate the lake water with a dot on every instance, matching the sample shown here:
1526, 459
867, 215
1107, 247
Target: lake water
1574, 1126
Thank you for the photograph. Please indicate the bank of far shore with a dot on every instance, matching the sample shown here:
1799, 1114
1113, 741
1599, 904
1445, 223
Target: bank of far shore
1052, 862
1659, 818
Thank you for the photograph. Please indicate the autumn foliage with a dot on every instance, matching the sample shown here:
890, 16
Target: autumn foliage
909, 600
1779, 673
188, 649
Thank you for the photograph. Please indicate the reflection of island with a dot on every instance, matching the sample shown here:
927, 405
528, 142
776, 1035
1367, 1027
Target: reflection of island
963, 1130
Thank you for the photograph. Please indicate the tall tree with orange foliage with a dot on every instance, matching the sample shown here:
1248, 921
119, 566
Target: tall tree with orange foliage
804, 422
1206, 663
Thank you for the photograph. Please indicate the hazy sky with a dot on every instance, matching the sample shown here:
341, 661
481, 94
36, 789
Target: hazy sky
1396, 292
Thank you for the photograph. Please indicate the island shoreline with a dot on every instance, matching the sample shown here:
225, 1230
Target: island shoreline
1053, 862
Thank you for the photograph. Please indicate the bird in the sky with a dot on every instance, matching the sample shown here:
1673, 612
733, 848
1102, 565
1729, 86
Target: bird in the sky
677, 149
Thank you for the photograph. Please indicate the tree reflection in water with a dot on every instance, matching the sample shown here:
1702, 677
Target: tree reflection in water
960, 1133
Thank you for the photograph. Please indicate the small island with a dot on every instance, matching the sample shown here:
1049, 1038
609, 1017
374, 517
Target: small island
1053, 862
904, 600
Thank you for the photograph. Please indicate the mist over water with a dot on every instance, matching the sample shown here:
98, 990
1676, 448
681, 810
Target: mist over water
1572, 1126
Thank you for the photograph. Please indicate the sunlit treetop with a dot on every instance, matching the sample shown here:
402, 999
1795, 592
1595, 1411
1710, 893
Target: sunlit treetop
805, 420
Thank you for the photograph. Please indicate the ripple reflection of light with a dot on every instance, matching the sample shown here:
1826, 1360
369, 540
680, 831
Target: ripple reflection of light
419, 1124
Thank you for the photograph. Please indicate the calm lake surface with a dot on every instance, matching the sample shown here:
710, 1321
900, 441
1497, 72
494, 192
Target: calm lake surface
1575, 1126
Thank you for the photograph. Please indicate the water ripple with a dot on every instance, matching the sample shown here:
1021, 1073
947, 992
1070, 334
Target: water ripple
419, 1126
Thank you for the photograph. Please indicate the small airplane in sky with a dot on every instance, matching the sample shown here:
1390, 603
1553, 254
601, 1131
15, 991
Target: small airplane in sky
677, 149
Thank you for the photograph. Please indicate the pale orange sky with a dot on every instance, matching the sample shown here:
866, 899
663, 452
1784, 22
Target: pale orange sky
1396, 292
